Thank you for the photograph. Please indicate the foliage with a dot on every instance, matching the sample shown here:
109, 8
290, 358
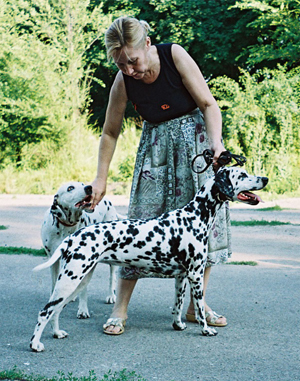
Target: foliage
75, 161
123, 375
45, 169
261, 121
259, 223
55, 81
200, 27
22, 250
278, 32
44, 81
242, 263
123, 165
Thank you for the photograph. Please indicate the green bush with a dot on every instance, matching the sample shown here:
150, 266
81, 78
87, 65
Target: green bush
261, 116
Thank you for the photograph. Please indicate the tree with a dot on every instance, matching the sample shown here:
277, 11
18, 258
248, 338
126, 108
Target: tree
44, 77
278, 32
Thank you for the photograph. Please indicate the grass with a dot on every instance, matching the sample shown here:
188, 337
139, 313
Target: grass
123, 375
275, 208
242, 263
259, 223
22, 250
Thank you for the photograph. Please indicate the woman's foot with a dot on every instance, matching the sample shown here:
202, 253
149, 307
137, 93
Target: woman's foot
212, 318
114, 326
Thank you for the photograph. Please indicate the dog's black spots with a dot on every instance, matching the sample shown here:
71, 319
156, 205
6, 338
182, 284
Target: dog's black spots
90, 266
242, 176
159, 231
163, 223
179, 221
109, 236
127, 242
146, 257
132, 230
79, 256
94, 257
49, 305
140, 244
148, 239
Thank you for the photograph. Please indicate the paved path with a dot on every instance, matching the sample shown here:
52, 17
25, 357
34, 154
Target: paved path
261, 304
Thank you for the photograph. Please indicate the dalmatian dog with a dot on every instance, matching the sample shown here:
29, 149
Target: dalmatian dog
174, 244
69, 213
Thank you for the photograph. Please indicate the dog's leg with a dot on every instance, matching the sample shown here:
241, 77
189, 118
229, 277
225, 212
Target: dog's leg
52, 307
57, 333
196, 284
111, 298
54, 273
65, 290
83, 311
180, 287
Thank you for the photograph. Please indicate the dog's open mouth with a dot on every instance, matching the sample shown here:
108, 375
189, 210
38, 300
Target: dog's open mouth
249, 198
85, 203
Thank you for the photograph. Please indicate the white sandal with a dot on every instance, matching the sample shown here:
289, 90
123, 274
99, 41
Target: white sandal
213, 318
115, 322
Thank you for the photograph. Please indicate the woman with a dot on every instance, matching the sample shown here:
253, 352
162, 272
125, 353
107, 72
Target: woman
181, 119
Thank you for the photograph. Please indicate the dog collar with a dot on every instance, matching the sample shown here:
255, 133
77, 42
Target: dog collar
65, 224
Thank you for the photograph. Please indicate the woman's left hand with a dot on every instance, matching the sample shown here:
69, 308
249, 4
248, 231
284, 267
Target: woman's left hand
217, 150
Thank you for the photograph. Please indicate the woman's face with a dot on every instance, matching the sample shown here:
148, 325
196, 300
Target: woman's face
132, 62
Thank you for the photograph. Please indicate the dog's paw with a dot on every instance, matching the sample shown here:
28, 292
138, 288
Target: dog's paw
83, 314
179, 326
209, 332
60, 334
37, 347
111, 299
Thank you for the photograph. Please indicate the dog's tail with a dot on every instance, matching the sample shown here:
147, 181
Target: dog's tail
55, 257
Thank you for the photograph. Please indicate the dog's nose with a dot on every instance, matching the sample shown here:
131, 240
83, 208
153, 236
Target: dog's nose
88, 189
265, 180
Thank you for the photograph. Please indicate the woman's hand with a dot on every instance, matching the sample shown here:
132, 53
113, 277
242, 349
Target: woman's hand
217, 150
99, 191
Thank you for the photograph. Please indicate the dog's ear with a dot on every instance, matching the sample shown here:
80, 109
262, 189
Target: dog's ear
56, 210
224, 185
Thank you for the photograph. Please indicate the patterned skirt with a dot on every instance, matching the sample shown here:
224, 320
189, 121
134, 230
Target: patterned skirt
163, 181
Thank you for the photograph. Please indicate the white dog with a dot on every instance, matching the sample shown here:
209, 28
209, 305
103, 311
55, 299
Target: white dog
68, 214
174, 244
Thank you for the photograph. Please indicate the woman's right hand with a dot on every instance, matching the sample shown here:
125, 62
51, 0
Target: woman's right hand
99, 191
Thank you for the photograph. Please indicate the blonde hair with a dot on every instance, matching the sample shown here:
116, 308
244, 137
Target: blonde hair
125, 31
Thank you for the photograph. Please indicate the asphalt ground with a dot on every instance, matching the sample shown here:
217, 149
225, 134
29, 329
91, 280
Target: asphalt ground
261, 303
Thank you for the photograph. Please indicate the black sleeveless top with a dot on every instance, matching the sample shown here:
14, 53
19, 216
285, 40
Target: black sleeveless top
164, 99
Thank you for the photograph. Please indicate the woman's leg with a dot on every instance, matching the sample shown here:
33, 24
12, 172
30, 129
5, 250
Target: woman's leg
124, 292
191, 309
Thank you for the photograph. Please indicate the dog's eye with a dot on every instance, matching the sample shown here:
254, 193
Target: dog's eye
70, 188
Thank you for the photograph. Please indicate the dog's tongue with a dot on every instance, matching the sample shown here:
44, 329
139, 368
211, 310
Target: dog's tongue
249, 198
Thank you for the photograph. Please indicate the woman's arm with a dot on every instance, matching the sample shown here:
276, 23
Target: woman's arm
194, 82
111, 130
